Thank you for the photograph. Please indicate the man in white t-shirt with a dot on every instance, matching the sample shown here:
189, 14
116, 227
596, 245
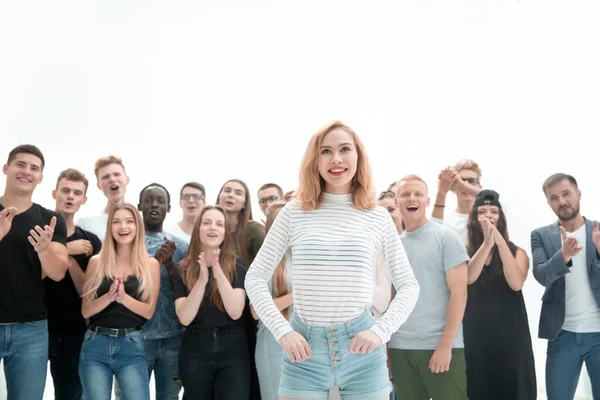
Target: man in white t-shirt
566, 261
192, 201
463, 179
113, 181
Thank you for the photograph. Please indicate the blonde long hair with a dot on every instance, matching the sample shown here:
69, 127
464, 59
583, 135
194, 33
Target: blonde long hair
189, 269
312, 185
107, 258
280, 287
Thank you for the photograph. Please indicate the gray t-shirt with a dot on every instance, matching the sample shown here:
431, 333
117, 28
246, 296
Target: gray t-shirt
432, 250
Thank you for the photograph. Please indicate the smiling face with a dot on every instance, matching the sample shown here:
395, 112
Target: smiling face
123, 227
212, 229
232, 197
413, 200
23, 173
338, 161
191, 202
113, 181
154, 208
69, 196
564, 199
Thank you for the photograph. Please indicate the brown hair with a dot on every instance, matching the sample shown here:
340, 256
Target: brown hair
26, 149
279, 275
243, 219
104, 161
556, 178
312, 185
195, 185
71, 174
271, 185
189, 268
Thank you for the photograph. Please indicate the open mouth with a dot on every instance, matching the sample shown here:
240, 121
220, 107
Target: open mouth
412, 208
114, 188
154, 214
229, 203
338, 171
212, 235
69, 204
124, 234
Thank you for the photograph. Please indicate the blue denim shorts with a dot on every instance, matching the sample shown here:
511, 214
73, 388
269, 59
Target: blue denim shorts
360, 376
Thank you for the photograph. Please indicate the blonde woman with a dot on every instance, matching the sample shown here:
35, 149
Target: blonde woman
120, 292
334, 229
268, 351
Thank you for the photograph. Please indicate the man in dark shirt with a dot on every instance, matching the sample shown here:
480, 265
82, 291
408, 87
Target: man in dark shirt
66, 326
32, 247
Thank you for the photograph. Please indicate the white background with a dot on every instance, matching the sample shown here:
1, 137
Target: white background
208, 91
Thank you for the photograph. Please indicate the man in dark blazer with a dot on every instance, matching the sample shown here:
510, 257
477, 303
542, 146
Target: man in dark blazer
566, 261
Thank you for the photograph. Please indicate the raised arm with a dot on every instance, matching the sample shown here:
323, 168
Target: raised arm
547, 268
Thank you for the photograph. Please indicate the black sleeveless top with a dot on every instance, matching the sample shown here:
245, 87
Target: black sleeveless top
117, 315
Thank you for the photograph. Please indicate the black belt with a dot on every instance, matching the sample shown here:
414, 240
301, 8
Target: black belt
114, 332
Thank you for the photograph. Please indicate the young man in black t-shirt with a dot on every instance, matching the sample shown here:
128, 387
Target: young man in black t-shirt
66, 325
32, 247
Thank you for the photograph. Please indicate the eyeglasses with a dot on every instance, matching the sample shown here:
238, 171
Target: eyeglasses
192, 196
387, 193
264, 200
472, 181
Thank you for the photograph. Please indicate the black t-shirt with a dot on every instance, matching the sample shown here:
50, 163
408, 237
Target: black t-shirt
209, 315
21, 287
116, 315
62, 300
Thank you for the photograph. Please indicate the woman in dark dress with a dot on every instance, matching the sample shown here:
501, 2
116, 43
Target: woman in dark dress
498, 350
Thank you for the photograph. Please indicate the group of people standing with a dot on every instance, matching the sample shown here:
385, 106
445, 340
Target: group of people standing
336, 289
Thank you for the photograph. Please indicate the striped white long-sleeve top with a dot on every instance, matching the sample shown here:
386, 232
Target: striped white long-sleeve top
333, 248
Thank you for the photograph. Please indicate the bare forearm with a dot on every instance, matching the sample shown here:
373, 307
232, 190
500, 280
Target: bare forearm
440, 199
512, 272
54, 261
232, 300
187, 308
77, 275
90, 308
454, 317
477, 262
140, 308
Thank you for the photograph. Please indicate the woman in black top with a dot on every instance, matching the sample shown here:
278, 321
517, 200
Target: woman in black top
120, 291
498, 350
214, 362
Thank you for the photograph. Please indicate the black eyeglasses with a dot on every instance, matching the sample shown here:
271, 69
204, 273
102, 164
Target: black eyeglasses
264, 200
192, 196
472, 181
387, 193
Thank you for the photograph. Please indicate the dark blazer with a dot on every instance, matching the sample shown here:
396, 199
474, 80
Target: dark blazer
549, 270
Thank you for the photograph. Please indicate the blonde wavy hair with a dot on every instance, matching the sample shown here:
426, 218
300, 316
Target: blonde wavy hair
107, 258
312, 185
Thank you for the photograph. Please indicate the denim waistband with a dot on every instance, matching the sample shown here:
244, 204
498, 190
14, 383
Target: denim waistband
350, 328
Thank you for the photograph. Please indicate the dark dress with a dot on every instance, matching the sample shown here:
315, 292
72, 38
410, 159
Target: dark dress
498, 352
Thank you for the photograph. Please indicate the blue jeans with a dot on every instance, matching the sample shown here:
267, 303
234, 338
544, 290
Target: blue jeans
268, 363
122, 356
63, 354
24, 350
162, 357
565, 356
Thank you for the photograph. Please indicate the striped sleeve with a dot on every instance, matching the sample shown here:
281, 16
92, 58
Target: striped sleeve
261, 271
407, 287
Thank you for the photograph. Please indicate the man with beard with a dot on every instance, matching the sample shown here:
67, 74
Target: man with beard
566, 261
162, 333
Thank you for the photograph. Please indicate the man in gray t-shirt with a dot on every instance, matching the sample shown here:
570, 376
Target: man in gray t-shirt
426, 353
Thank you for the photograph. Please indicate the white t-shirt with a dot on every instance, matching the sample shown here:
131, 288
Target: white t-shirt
458, 222
95, 223
582, 314
173, 228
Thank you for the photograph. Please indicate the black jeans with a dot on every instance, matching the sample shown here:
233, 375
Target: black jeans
63, 354
214, 363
